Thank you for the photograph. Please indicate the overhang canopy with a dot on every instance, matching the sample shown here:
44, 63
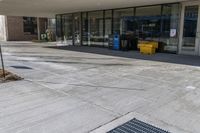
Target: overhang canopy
48, 8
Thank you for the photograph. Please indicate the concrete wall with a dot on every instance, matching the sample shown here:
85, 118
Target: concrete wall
2, 28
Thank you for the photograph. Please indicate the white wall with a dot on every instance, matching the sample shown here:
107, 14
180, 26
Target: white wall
2, 28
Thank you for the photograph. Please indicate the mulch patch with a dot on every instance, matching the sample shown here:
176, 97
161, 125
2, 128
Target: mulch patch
8, 77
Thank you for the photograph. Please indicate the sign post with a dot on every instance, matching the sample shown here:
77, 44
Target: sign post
2, 63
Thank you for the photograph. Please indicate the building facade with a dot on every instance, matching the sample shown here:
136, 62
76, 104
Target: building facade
176, 26
18, 28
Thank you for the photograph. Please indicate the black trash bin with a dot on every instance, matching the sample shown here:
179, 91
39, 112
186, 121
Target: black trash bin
132, 41
124, 42
161, 47
110, 41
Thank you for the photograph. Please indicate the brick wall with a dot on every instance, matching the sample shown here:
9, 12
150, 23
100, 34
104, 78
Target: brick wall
15, 29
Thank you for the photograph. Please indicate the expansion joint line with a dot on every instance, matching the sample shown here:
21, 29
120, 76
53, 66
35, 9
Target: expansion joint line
84, 100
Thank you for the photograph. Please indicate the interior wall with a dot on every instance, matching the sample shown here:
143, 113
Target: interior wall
16, 30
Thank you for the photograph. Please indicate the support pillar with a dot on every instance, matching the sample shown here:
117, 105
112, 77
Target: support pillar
38, 27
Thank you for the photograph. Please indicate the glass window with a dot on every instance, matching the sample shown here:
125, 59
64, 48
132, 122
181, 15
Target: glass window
67, 29
58, 27
84, 28
51, 23
170, 21
30, 25
148, 22
123, 20
95, 28
108, 26
77, 28
190, 25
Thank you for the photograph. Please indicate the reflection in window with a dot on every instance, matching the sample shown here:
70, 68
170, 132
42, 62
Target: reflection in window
95, 28
123, 20
108, 26
190, 25
77, 28
170, 21
67, 29
84, 29
58, 27
148, 22
30, 25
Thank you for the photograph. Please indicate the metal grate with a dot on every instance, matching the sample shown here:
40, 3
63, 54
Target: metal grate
136, 126
21, 67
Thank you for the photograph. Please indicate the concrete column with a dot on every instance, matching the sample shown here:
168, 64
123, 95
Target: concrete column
3, 36
38, 27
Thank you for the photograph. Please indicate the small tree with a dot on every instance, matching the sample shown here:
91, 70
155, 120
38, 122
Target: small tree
2, 63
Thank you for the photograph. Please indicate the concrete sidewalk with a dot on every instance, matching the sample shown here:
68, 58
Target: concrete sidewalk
68, 91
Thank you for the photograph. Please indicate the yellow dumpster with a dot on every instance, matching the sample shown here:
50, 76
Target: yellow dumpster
148, 47
155, 44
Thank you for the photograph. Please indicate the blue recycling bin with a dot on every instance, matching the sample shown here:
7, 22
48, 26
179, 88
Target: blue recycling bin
116, 40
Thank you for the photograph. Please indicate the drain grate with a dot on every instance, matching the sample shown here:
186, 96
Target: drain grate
136, 126
21, 67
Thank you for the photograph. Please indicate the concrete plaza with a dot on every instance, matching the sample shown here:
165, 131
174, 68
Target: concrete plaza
83, 89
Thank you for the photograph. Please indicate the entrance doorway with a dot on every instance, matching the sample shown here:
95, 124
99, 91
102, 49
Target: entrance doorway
190, 29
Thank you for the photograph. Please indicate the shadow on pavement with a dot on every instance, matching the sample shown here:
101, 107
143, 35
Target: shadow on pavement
161, 57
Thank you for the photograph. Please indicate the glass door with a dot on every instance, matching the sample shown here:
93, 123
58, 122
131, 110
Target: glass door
77, 29
190, 33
